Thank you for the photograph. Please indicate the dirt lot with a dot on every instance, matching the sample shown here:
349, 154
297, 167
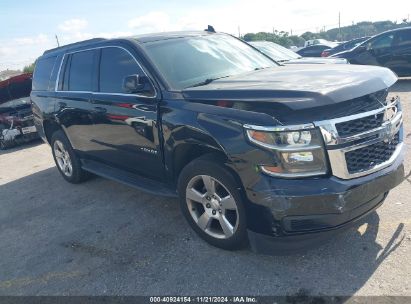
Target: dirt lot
102, 238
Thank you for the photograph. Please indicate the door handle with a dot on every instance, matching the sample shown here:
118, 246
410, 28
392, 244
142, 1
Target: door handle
100, 109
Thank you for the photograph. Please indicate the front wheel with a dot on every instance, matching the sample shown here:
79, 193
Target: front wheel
212, 204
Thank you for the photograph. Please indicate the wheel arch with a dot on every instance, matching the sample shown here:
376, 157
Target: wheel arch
187, 153
184, 154
50, 126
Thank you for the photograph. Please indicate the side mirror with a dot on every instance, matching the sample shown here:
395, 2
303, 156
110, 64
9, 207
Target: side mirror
362, 48
134, 83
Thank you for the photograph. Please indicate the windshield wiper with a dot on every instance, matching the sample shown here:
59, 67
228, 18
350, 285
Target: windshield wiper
205, 82
202, 83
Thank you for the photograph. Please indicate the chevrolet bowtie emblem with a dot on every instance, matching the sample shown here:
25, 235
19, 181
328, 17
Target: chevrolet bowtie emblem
391, 109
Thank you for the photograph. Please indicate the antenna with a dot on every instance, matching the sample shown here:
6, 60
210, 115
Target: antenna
57, 39
210, 29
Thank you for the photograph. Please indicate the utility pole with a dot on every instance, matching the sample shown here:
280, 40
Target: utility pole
339, 25
57, 39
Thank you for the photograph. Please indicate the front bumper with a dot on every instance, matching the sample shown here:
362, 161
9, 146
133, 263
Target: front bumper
287, 215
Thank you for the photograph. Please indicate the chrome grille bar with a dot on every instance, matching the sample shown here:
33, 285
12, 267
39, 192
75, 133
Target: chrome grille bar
337, 145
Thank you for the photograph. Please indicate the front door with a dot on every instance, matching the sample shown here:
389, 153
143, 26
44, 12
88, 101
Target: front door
378, 51
125, 129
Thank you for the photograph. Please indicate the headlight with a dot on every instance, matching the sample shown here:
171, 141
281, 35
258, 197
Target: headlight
299, 150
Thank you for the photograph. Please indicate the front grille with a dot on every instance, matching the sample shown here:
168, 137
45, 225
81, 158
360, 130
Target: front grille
364, 143
366, 158
348, 128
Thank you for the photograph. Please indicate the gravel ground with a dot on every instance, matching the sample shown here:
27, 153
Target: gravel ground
104, 238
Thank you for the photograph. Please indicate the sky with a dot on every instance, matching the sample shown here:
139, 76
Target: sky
29, 27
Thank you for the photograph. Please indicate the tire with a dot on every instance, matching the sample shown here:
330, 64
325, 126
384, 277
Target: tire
219, 220
63, 153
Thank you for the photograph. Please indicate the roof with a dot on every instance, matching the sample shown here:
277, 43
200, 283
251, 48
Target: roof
169, 35
74, 45
398, 29
139, 38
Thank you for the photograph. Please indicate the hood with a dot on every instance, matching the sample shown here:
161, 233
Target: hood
15, 87
316, 60
298, 93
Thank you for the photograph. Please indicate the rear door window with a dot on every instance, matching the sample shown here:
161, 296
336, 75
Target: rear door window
115, 65
81, 73
403, 38
43, 70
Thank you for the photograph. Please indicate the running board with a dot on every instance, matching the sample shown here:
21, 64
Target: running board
130, 179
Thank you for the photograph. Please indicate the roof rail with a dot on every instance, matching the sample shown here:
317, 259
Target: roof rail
72, 45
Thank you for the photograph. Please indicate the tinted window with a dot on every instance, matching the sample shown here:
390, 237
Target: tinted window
403, 38
382, 42
41, 78
115, 65
319, 47
81, 73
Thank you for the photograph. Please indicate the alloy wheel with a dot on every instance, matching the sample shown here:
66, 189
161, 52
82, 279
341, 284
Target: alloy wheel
212, 206
63, 158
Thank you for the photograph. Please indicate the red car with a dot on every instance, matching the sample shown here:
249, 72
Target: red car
16, 118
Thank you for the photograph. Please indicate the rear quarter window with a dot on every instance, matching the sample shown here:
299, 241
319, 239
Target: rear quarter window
42, 74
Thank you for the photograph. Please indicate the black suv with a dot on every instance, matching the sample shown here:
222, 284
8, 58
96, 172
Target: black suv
390, 49
273, 154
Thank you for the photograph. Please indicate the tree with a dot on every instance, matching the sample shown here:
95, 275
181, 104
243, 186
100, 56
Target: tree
310, 36
29, 68
365, 28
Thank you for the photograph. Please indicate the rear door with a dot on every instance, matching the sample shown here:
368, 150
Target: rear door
125, 127
77, 80
401, 53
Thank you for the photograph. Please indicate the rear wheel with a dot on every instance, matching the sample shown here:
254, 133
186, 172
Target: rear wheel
66, 160
212, 204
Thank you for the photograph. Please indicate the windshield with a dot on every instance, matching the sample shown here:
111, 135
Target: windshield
189, 61
16, 102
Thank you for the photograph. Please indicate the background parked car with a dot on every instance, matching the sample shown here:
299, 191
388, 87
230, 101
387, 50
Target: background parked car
286, 56
348, 45
16, 118
314, 50
391, 49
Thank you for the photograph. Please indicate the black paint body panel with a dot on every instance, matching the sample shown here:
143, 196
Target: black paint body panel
153, 137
